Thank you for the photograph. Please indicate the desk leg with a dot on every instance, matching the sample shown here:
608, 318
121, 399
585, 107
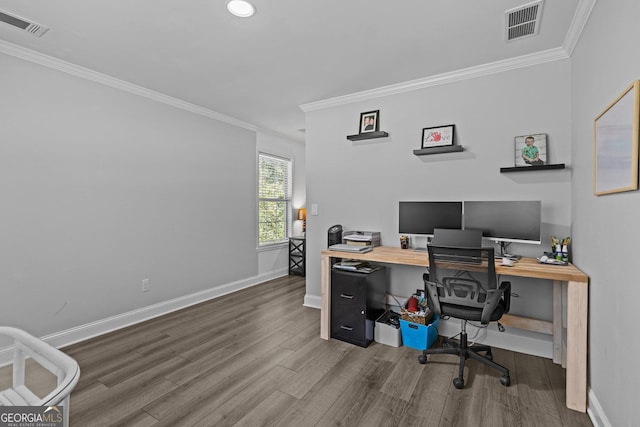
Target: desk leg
325, 297
557, 322
577, 321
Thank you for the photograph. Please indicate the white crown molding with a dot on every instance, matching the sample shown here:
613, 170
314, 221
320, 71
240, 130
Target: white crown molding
85, 73
274, 133
550, 55
580, 18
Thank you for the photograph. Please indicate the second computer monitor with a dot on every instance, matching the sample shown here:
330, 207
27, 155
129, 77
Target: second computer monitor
424, 217
505, 221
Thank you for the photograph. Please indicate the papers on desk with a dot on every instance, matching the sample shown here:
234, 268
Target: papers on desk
548, 260
358, 238
355, 265
362, 238
345, 247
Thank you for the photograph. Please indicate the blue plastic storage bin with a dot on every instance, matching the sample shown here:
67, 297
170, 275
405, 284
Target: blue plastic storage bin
419, 336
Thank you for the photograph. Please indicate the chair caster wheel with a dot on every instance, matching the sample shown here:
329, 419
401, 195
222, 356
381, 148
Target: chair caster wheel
422, 359
505, 380
458, 383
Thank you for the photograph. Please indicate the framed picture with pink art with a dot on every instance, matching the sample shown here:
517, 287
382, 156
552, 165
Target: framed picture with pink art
440, 136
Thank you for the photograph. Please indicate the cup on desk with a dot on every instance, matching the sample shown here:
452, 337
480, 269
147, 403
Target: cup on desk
404, 242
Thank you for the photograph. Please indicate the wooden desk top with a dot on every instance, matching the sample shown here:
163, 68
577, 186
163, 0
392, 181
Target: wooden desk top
525, 267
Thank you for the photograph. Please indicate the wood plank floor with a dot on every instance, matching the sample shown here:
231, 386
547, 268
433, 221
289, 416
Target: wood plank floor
255, 358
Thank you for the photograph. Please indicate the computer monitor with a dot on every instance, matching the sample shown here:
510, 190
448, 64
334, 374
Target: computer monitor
424, 217
505, 221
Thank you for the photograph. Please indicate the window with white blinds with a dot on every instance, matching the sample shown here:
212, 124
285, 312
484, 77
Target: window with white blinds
274, 199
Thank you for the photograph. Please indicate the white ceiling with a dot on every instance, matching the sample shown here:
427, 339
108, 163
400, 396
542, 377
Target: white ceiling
259, 70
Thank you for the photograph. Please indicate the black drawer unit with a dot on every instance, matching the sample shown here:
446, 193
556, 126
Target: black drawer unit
297, 255
357, 300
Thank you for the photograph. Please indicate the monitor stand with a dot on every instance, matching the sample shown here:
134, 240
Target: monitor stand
504, 254
423, 248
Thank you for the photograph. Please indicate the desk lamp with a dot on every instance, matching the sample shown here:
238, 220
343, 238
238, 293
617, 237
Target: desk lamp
302, 216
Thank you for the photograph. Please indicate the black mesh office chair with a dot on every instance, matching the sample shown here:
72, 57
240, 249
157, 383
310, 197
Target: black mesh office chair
462, 283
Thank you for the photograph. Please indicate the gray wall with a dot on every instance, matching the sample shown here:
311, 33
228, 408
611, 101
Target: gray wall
359, 184
605, 228
101, 189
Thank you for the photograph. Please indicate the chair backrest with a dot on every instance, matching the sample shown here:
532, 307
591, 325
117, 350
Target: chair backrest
453, 237
462, 275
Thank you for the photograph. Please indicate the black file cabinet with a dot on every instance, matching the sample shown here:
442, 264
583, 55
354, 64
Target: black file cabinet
297, 255
357, 300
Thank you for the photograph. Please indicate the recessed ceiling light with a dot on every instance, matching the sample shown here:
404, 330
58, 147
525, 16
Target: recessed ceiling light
241, 8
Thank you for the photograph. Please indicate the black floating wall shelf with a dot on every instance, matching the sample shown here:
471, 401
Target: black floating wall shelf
438, 150
532, 168
368, 135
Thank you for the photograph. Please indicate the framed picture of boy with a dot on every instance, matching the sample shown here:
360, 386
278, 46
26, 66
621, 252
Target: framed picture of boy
531, 150
369, 122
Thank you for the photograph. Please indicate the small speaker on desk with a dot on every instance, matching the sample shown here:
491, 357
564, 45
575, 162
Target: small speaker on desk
334, 235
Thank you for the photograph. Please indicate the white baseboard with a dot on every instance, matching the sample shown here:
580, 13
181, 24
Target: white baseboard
312, 301
103, 326
596, 413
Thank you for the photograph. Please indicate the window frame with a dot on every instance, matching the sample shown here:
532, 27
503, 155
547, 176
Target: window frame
288, 200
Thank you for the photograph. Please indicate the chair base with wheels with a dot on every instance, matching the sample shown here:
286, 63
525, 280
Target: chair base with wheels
464, 351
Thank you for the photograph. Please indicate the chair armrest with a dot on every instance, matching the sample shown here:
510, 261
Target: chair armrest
506, 288
493, 298
433, 301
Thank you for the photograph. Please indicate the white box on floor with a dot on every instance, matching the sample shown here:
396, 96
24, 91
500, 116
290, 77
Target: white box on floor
386, 333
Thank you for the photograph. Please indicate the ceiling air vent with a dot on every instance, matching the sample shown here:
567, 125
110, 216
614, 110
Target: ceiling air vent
523, 21
31, 27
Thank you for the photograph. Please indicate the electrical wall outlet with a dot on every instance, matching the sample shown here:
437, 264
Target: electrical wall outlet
146, 285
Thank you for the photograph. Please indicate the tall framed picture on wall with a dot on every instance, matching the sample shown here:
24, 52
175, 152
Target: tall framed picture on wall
615, 162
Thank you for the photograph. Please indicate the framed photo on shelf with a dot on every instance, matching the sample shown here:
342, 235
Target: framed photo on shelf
530, 150
369, 122
615, 130
439, 136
